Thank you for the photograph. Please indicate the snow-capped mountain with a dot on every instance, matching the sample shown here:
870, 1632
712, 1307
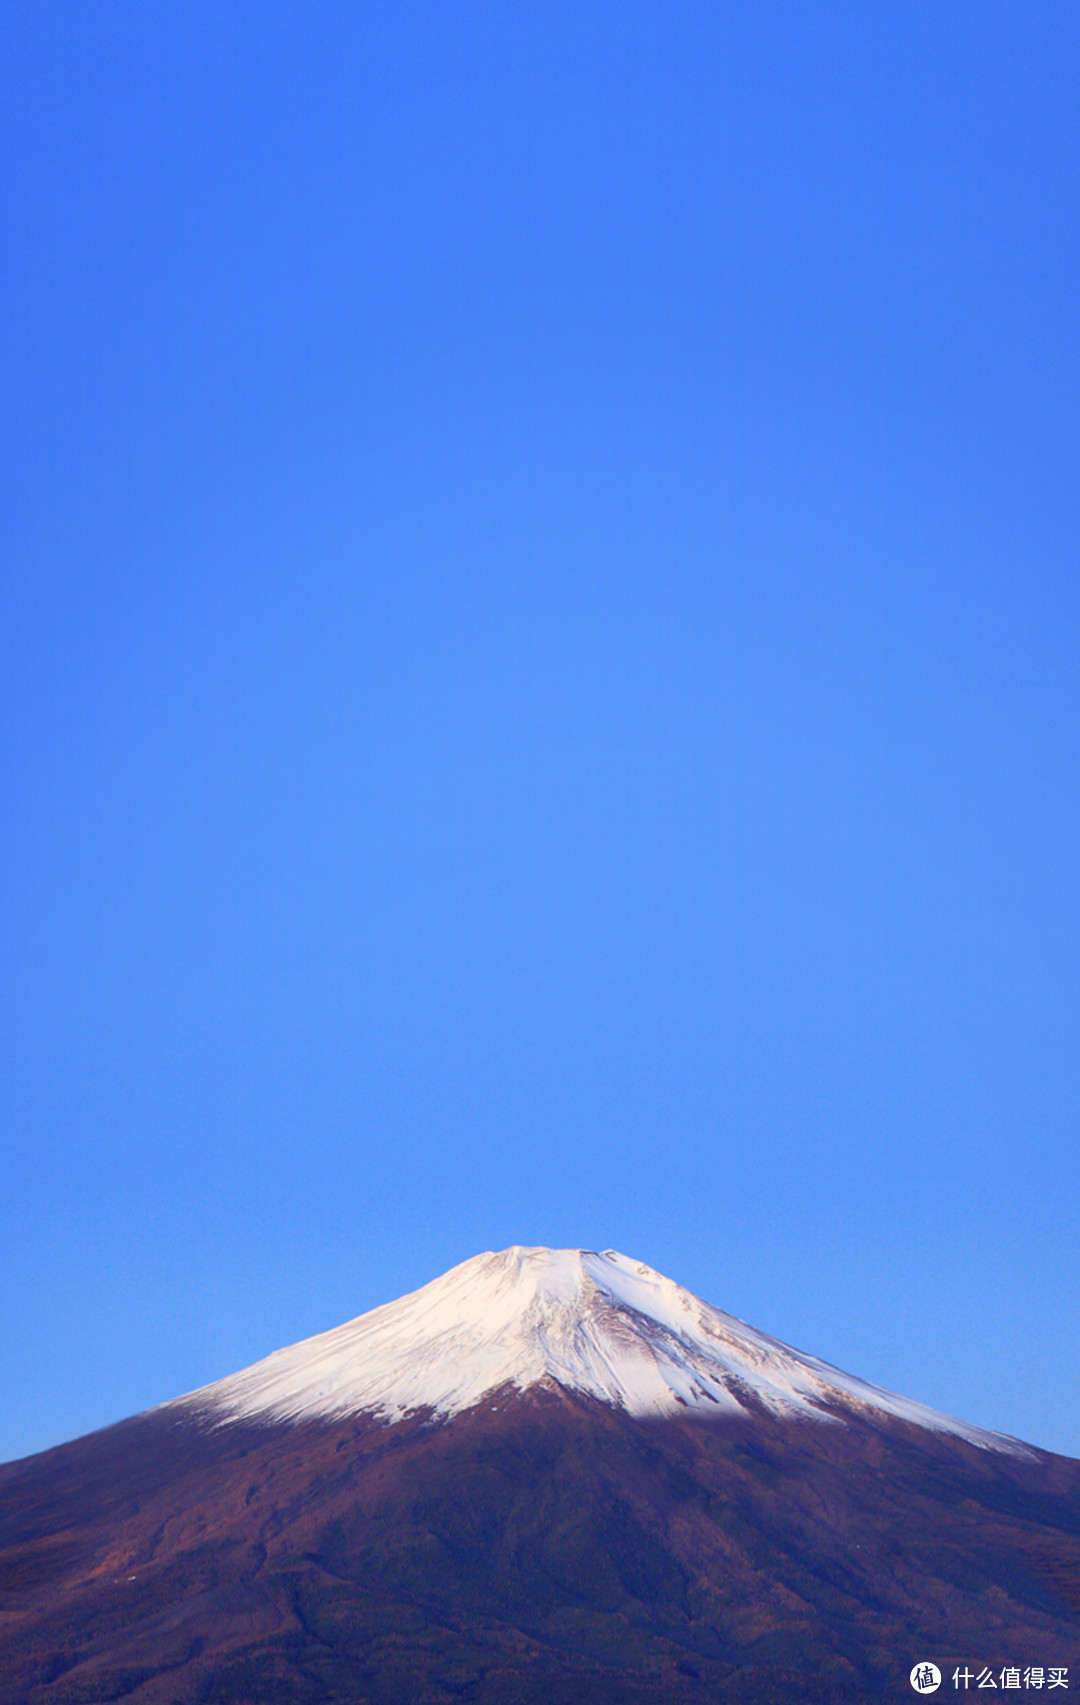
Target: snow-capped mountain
550, 1477
600, 1324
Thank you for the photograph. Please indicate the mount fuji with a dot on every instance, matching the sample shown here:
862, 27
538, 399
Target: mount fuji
603, 1326
548, 1476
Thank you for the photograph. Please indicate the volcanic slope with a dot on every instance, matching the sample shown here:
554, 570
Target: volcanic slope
550, 1476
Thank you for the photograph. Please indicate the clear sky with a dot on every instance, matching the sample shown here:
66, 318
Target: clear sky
539, 678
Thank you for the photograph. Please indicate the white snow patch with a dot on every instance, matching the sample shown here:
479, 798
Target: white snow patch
602, 1324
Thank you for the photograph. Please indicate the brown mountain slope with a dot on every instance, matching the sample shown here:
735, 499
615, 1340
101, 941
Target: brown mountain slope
538, 1548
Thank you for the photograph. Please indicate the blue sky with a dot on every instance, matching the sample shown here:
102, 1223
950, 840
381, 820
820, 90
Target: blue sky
539, 679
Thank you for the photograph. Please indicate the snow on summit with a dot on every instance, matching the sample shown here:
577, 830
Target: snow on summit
600, 1324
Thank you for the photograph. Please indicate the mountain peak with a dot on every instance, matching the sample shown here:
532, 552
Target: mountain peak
601, 1324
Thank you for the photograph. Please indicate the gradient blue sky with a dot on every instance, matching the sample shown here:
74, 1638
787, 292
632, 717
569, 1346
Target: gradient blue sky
540, 686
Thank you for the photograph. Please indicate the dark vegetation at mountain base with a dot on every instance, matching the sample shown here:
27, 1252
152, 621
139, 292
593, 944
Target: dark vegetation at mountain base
539, 1550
